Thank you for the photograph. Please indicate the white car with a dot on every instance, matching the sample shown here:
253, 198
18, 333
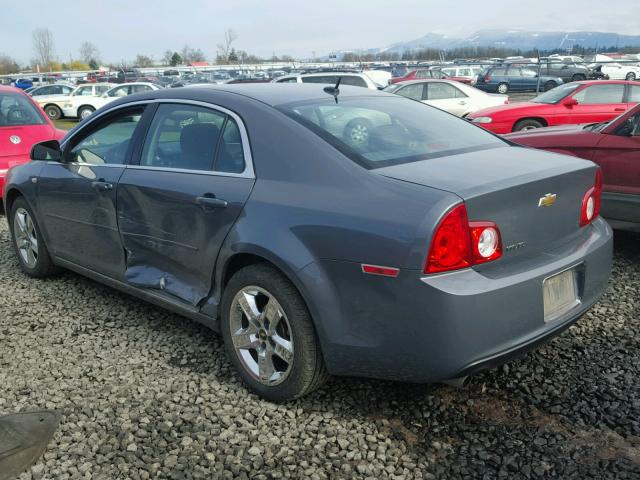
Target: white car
331, 78
82, 107
617, 71
53, 104
50, 90
469, 73
448, 95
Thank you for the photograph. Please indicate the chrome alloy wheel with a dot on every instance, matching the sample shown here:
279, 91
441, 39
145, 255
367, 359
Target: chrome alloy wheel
26, 237
359, 134
261, 335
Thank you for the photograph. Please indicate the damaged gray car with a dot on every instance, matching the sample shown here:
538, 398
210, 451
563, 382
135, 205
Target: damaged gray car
321, 230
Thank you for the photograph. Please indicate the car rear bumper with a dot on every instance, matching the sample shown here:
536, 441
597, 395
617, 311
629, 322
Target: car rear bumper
432, 328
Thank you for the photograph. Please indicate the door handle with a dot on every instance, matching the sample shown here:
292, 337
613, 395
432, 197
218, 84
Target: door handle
101, 186
619, 109
210, 201
462, 102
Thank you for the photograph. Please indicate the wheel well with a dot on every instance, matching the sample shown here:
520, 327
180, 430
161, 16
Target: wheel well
86, 105
537, 119
240, 261
52, 105
11, 197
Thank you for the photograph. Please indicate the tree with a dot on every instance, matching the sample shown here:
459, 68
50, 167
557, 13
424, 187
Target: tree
225, 49
93, 65
232, 56
89, 52
190, 55
166, 58
143, 61
8, 65
176, 59
43, 47
77, 65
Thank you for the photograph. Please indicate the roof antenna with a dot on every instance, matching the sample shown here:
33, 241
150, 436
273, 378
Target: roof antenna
335, 90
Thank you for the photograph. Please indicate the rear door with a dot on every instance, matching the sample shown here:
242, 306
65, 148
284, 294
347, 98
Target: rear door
446, 97
180, 197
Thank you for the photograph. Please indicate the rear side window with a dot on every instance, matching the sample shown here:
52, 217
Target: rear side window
600, 94
190, 137
413, 91
442, 91
381, 131
498, 72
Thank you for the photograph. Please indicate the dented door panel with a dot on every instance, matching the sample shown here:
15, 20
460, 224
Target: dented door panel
173, 224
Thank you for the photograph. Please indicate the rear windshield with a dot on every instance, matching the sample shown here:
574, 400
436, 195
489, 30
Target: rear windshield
381, 131
17, 110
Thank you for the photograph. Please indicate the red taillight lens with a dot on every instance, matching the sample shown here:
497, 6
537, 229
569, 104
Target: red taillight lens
458, 243
591, 201
487, 78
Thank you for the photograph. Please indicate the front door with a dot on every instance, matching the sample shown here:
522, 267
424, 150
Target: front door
619, 156
78, 195
176, 206
597, 103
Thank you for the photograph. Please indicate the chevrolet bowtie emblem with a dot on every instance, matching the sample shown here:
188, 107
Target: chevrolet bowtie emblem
548, 200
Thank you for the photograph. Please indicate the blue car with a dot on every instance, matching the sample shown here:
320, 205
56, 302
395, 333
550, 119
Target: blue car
322, 230
513, 78
23, 83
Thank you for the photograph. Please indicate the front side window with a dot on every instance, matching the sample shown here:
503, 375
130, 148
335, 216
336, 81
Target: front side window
193, 138
109, 143
413, 91
528, 73
119, 91
288, 80
389, 130
84, 91
634, 94
17, 110
600, 94
140, 88
100, 89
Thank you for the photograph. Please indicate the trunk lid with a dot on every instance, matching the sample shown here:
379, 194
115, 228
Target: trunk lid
17, 140
505, 185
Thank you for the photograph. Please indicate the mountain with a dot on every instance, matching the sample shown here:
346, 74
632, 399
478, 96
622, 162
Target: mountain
517, 39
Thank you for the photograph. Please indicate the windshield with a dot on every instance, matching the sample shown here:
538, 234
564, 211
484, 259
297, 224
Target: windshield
556, 94
381, 131
17, 110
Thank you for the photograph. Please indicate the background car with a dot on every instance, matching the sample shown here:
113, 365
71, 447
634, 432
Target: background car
514, 78
572, 103
618, 71
615, 146
419, 74
331, 78
22, 123
462, 73
568, 71
48, 90
81, 106
447, 95
423, 254
23, 83
53, 104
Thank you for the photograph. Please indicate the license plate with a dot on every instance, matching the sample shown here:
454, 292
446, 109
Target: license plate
560, 294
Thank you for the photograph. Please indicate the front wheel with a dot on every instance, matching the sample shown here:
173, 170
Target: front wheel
84, 112
578, 77
269, 336
631, 76
28, 243
527, 125
358, 131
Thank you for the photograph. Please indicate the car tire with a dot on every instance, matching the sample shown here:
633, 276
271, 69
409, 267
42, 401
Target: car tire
630, 76
53, 112
358, 131
550, 85
28, 242
252, 341
578, 77
84, 112
528, 124
503, 88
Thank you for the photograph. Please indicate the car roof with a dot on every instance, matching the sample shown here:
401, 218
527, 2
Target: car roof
268, 93
10, 89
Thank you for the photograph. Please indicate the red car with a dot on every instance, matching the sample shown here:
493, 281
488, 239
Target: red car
572, 103
22, 123
615, 146
420, 74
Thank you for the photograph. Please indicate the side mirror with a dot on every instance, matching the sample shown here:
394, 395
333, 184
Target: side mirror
47, 151
569, 102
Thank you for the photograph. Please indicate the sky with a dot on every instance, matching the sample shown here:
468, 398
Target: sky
121, 29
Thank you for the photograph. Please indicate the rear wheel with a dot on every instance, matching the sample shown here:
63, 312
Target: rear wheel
550, 85
28, 243
503, 88
269, 335
84, 112
53, 112
528, 124
631, 76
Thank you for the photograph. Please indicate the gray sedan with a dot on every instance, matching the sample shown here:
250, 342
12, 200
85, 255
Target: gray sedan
320, 230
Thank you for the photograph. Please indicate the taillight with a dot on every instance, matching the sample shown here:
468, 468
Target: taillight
487, 78
591, 201
458, 243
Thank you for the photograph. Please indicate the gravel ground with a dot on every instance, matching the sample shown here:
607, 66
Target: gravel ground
147, 394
